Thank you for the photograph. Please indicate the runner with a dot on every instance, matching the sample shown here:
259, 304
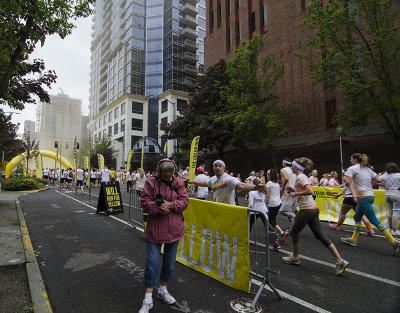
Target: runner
313, 178
308, 214
62, 177
349, 204
129, 181
105, 175
69, 178
223, 185
359, 178
274, 200
98, 177
112, 176
139, 181
202, 192
79, 178
93, 177
391, 178
257, 202
334, 182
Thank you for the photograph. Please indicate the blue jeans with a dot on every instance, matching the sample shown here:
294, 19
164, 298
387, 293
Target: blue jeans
364, 207
153, 260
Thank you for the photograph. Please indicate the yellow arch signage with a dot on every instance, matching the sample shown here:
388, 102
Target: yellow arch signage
45, 153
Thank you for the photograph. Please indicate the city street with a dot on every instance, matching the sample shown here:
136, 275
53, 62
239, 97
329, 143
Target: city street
90, 264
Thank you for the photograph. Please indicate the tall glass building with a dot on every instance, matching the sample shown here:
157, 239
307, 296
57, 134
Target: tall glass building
145, 55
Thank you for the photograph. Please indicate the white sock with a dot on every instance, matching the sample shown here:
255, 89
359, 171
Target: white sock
148, 297
162, 288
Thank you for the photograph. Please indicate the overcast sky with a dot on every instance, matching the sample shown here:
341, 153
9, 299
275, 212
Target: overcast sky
70, 58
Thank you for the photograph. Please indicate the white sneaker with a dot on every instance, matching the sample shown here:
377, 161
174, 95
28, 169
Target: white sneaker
165, 296
146, 306
396, 233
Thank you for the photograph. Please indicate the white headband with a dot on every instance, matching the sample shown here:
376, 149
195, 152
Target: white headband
298, 165
287, 162
219, 162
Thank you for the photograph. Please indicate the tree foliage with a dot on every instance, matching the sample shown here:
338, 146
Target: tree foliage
9, 143
31, 147
359, 42
23, 25
103, 146
199, 118
253, 108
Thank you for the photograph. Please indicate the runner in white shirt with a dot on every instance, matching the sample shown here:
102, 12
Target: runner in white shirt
105, 175
224, 185
359, 178
93, 176
46, 173
202, 192
79, 178
391, 178
139, 180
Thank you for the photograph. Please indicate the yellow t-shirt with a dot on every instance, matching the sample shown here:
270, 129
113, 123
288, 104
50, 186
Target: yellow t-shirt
112, 174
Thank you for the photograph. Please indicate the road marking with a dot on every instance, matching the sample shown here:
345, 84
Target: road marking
366, 275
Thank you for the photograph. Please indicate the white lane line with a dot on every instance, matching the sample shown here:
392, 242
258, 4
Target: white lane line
306, 304
256, 282
348, 270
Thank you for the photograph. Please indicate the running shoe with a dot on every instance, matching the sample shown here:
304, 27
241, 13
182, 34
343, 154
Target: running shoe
396, 248
165, 296
290, 260
146, 306
349, 241
276, 245
368, 233
283, 238
396, 232
333, 226
341, 266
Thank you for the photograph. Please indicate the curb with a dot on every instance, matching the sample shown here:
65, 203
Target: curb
41, 303
28, 191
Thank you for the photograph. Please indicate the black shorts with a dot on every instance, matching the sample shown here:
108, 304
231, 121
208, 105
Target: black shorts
62, 180
45, 176
349, 201
92, 180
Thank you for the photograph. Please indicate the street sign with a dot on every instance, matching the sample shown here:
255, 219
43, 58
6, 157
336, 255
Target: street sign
110, 201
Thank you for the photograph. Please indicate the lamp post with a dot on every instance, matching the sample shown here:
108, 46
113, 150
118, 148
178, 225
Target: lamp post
339, 131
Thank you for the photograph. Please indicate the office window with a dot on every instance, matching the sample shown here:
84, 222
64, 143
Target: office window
238, 3
164, 106
264, 15
253, 22
181, 104
123, 108
137, 124
122, 125
110, 131
109, 116
134, 139
239, 31
164, 121
229, 6
115, 128
104, 120
219, 13
95, 125
99, 135
116, 112
137, 107
104, 133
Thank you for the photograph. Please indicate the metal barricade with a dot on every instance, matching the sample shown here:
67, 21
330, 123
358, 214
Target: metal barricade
265, 274
135, 212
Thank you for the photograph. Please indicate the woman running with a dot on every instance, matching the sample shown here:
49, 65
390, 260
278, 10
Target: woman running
359, 178
391, 178
308, 214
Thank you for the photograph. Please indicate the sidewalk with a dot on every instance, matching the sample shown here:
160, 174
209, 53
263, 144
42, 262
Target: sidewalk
21, 285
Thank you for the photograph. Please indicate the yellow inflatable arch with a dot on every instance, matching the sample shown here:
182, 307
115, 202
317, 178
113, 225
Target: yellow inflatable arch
45, 153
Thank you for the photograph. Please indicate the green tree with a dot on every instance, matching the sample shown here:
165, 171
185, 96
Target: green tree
199, 118
24, 24
253, 108
10, 145
359, 43
103, 146
31, 147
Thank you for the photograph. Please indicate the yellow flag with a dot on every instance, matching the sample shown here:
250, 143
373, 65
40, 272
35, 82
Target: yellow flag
141, 162
100, 158
128, 163
194, 149
85, 162
165, 148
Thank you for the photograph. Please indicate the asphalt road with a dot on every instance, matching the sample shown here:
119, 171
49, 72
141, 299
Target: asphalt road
90, 264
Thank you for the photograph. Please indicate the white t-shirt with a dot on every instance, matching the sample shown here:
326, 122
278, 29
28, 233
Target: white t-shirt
291, 177
79, 174
129, 176
92, 174
362, 180
45, 172
202, 192
105, 176
224, 188
140, 181
332, 182
392, 182
274, 194
313, 181
304, 202
257, 201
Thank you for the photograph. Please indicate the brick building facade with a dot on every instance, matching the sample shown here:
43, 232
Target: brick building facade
229, 22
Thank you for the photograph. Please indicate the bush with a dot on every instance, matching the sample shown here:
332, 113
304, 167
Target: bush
21, 183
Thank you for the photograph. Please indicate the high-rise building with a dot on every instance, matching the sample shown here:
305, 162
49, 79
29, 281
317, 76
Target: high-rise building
60, 120
143, 53
29, 130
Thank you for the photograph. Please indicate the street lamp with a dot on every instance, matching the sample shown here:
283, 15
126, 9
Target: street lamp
339, 131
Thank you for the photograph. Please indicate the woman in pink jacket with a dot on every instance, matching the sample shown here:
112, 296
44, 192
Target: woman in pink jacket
164, 198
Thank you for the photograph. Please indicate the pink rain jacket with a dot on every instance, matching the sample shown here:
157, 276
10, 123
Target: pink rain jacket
170, 227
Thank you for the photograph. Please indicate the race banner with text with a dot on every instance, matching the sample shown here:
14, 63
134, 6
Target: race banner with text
329, 206
216, 242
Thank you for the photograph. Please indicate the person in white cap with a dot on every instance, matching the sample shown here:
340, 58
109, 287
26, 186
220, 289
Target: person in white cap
223, 185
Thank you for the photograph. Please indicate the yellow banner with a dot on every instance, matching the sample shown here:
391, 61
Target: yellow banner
216, 242
100, 158
329, 206
141, 161
165, 148
85, 162
128, 162
194, 148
